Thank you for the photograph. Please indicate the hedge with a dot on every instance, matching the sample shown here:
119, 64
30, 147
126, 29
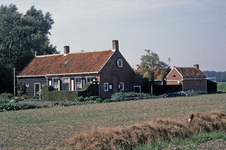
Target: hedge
49, 95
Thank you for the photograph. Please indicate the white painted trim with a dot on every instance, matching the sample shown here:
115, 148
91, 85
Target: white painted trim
118, 63
194, 78
178, 72
57, 74
76, 82
169, 73
173, 80
72, 85
123, 87
139, 86
89, 77
106, 84
53, 82
68, 83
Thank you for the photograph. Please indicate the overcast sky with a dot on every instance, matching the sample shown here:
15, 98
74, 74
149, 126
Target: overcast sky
186, 31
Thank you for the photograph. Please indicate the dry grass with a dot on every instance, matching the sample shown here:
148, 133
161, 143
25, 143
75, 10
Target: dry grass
41, 128
157, 129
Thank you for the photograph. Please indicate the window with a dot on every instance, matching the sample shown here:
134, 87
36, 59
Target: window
55, 84
110, 87
65, 84
66, 62
78, 84
174, 76
121, 86
89, 79
105, 86
119, 63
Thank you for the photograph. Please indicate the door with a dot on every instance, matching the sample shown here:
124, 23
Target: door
37, 88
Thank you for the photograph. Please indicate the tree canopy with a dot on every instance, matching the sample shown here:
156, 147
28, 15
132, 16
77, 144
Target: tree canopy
22, 35
151, 66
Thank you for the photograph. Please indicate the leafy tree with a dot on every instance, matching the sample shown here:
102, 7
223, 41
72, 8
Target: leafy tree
152, 66
209, 73
221, 76
22, 35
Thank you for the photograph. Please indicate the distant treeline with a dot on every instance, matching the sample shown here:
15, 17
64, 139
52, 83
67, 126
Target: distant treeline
216, 76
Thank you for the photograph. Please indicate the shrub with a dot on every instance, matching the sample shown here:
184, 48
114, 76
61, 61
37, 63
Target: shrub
4, 100
221, 87
120, 96
6, 95
86, 99
93, 97
24, 96
80, 99
17, 106
99, 100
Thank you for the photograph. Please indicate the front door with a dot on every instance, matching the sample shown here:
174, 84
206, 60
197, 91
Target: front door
36, 88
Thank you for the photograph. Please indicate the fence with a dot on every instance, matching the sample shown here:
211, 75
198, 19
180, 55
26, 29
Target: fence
160, 89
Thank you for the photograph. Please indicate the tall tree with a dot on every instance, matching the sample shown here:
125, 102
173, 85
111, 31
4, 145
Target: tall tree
152, 66
22, 35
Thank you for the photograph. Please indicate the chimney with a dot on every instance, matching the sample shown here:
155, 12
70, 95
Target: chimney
66, 50
196, 66
115, 45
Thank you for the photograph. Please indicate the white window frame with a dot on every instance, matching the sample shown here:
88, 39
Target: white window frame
106, 88
63, 82
110, 87
121, 84
72, 84
76, 82
120, 63
50, 82
56, 88
89, 77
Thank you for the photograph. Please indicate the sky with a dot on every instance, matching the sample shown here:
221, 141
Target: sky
187, 32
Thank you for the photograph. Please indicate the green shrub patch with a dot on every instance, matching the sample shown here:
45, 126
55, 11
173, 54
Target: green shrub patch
18, 106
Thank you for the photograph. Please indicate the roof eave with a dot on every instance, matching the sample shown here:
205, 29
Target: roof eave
62, 74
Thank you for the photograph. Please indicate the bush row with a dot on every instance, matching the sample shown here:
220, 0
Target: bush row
19, 106
79, 101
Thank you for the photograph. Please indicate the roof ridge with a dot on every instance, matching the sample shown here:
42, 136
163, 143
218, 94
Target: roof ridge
185, 67
74, 53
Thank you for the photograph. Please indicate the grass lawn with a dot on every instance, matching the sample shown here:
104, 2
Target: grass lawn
40, 128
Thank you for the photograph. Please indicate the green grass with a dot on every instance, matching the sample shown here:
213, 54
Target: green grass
190, 143
39, 128
221, 87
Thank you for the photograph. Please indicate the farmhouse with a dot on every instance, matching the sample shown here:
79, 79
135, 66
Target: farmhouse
71, 71
191, 78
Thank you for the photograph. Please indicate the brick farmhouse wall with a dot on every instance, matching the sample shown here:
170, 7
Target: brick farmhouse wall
113, 75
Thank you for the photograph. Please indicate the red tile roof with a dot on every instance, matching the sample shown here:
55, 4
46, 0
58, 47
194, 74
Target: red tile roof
190, 72
72, 63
